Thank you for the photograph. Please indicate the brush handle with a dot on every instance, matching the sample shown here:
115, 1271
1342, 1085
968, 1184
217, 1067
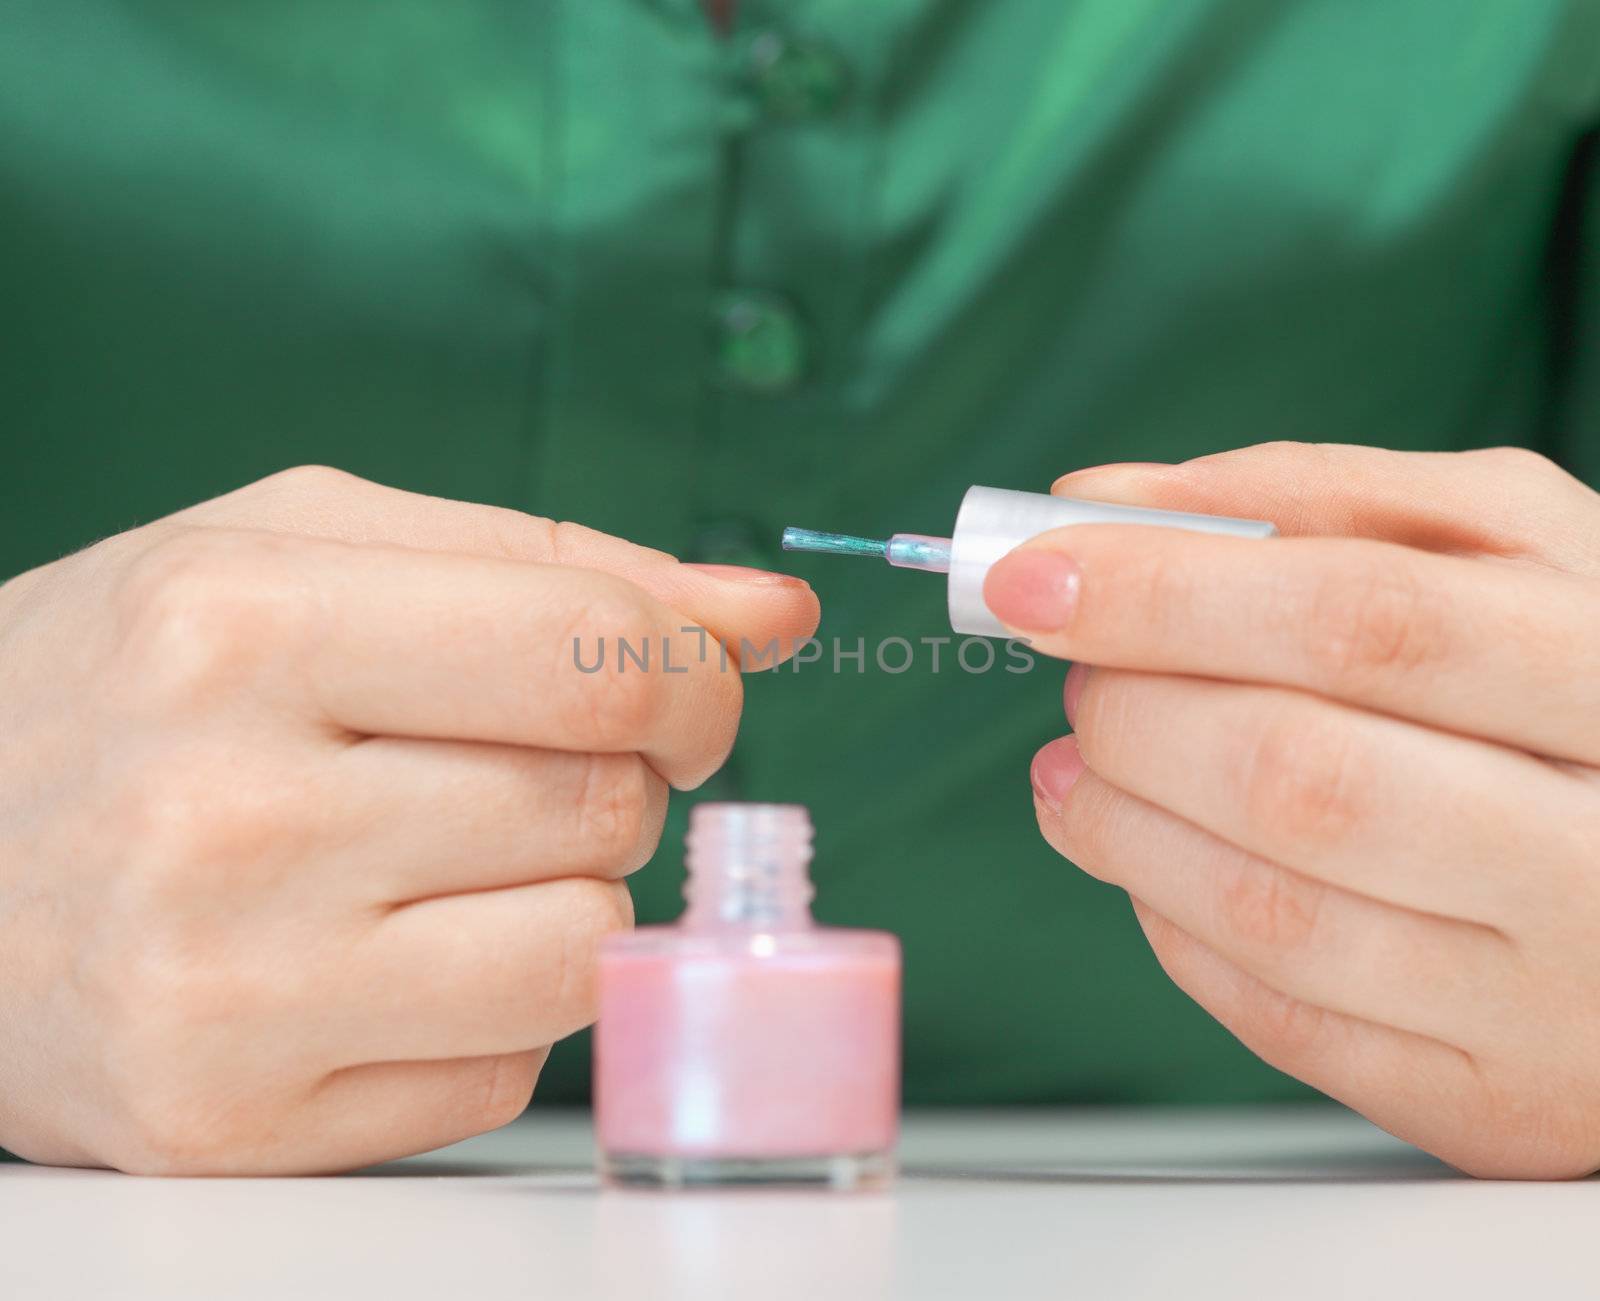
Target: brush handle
993, 521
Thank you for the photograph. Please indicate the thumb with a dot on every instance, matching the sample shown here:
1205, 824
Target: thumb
760, 616
766, 612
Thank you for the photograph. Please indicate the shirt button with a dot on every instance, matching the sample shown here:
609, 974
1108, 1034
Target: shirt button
794, 77
760, 342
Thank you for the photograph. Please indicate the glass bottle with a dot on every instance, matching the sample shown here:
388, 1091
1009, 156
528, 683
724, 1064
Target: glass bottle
745, 1043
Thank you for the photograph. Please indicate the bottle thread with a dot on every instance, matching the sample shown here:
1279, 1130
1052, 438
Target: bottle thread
749, 867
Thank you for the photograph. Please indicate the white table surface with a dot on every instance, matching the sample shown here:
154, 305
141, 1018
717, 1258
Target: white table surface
1293, 1203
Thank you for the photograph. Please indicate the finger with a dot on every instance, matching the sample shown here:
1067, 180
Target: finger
360, 1116
425, 818
1504, 501
319, 502
1440, 824
1305, 938
1418, 1088
472, 975
384, 1110
388, 641
1438, 639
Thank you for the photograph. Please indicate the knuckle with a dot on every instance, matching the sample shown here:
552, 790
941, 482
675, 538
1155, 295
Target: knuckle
594, 910
1212, 481
1518, 463
1160, 591
535, 537
1300, 785
614, 803
1268, 468
1268, 908
516, 535
508, 1088
1286, 456
163, 988
1107, 703
186, 833
720, 714
622, 710
619, 705
1282, 1029
312, 481
600, 908
157, 1138
1528, 1129
1279, 1028
175, 828
611, 908
1291, 449
198, 609
160, 1040
568, 543
173, 1001
175, 1131
1088, 833
1540, 511
1369, 624
1282, 459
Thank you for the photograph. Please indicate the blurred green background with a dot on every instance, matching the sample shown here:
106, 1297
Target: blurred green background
592, 259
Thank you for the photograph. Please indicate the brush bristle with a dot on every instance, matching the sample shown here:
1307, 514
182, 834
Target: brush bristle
835, 544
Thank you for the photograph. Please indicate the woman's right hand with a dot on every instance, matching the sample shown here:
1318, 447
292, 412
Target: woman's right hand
310, 821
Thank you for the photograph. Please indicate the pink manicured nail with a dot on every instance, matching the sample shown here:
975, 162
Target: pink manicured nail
745, 574
1033, 590
1056, 768
1073, 689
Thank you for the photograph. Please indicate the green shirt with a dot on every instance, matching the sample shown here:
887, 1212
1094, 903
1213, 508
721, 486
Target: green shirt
585, 258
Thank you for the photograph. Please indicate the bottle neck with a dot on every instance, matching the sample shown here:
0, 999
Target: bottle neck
749, 868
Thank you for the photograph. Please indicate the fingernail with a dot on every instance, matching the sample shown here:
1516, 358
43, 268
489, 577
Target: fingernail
1056, 769
1033, 590
1073, 689
745, 574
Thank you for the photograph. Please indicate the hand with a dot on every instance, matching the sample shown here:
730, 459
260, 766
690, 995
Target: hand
310, 823
1351, 776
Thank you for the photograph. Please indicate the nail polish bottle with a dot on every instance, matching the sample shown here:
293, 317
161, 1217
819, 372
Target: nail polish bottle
746, 1044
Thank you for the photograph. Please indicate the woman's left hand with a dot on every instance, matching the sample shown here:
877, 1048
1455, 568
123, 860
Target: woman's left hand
1350, 776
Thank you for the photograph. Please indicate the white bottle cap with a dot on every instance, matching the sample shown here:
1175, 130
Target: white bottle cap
993, 521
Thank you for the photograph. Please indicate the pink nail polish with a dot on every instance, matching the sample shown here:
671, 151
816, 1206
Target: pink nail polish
746, 1044
1033, 590
1056, 769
